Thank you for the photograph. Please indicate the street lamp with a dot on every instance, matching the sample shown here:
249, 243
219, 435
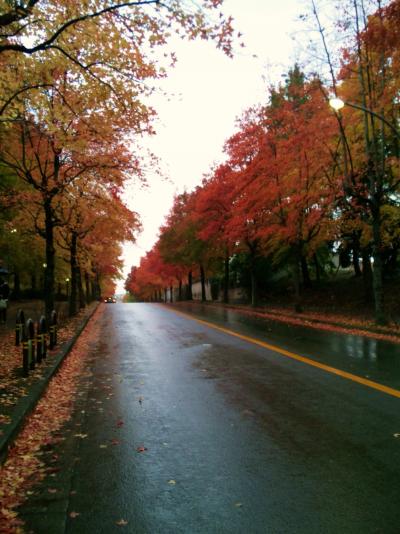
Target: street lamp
338, 103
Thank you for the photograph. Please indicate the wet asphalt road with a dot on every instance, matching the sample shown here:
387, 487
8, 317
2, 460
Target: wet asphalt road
234, 438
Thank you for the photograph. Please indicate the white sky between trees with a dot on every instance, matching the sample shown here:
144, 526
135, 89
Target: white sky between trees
208, 93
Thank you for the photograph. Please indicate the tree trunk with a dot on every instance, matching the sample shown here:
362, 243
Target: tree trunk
296, 281
50, 261
171, 294
81, 294
226, 278
367, 275
189, 295
87, 288
253, 281
305, 272
380, 317
203, 283
317, 268
33, 281
356, 259
96, 287
180, 290
74, 276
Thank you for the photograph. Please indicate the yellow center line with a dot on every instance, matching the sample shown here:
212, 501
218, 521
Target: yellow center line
349, 376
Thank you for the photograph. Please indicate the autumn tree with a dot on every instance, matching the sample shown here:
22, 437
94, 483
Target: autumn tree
109, 42
49, 157
177, 242
94, 216
368, 82
212, 213
145, 282
303, 180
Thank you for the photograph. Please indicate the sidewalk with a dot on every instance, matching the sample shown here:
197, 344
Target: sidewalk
19, 395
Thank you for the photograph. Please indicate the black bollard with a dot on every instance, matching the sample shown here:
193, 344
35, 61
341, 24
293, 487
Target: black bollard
53, 329
19, 326
41, 350
25, 351
30, 329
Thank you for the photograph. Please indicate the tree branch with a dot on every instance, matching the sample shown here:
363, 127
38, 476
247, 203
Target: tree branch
15, 95
16, 47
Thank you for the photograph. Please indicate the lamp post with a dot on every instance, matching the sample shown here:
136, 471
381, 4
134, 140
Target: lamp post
338, 103
67, 286
375, 204
42, 277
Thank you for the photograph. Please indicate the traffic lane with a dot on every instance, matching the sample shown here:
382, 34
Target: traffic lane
373, 359
238, 438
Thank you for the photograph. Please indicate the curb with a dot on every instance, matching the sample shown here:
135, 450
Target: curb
26, 404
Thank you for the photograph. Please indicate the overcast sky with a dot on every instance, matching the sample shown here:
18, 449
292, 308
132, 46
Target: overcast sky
209, 91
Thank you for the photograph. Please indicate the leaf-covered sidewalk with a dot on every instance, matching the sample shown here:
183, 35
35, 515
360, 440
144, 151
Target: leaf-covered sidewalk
22, 466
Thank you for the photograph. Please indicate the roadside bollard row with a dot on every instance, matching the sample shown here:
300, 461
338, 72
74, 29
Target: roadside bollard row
34, 340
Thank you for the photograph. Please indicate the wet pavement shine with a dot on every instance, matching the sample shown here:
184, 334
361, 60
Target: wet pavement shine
190, 430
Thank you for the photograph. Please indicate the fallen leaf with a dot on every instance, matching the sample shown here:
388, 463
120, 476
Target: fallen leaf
121, 523
82, 436
141, 449
103, 446
120, 423
52, 490
73, 515
238, 504
172, 482
396, 435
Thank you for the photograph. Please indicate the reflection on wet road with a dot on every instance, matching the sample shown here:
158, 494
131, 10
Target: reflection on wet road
190, 430
374, 359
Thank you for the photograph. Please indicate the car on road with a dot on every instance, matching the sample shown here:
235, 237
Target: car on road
111, 300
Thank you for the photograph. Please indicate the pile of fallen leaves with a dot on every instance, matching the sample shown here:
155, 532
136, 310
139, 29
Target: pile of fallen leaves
10, 360
23, 467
